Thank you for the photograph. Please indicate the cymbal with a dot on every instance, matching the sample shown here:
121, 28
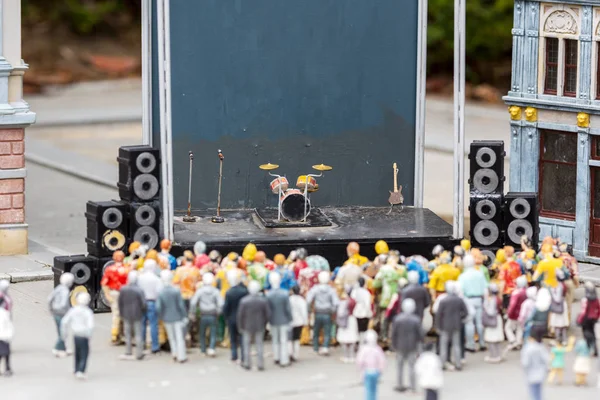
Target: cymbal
322, 167
268, 167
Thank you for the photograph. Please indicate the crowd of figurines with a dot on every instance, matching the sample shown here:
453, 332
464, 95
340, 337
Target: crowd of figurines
237, 300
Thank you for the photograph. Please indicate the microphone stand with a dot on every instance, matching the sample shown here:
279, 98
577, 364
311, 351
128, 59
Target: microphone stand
218, 218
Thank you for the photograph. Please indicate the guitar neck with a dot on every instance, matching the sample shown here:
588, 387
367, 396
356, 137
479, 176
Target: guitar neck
395, 179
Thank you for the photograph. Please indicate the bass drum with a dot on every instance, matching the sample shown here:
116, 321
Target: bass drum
292, 205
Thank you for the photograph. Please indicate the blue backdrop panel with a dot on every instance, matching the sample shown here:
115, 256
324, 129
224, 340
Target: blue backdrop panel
294, 83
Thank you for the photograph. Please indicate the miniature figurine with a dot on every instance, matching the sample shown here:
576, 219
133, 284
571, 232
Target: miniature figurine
493, 333
466, 245
6, 336
510, 270
539, 318
135, 260
165, 253
257, 270
535, 359
325, 302
583, 362
479, 259
557, 365
513, 329
286, 277
354, 257
249, 252
347, 327
371, 362
209, 302
214, 264
233, 297
114, 277
449, 316
589, 315
395, 306
252, 317
457, 260
559, 317
436, 253
4, 285
151, 285
443, 273
59, 304
527, 311
416, 291
407, 338
347, 277
280, 320
429, 372
418, 264
572, 281
363, 309
386, 280
473, 284
80, 321
171, 310
546, 268
187, 277
299, 321
132, 306
300, 261
230, 263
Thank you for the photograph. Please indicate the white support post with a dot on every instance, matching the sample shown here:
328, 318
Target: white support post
459, 117
164, 53
420, 102
147, 72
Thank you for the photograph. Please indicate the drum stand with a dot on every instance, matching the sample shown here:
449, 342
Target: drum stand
279, 195
306, 193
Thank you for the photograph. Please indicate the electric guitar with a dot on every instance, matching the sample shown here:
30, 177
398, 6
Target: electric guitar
395, 196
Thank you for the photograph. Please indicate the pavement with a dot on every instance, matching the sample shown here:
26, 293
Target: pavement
71, 158
38, 375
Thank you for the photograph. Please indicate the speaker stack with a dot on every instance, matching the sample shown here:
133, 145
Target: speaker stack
139, 188
87, 277
521, 217
497, 220
486, 186
107, 227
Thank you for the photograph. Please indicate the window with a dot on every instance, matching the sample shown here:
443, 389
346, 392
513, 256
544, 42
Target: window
570, 68
551, 81
558, 174
598, 71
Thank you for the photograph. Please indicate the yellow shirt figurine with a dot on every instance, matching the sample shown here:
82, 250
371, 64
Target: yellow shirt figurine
546, 268
354, 257
443, 273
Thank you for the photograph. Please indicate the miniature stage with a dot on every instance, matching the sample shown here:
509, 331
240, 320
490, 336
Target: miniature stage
410, 230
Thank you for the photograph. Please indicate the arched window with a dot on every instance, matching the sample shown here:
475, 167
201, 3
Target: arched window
559, 55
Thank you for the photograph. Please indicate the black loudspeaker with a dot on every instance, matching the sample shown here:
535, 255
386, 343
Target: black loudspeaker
144, 223
85, 269
107, 227
486, 220
521, 218
490, 254
487, 166
102, 303
139, 173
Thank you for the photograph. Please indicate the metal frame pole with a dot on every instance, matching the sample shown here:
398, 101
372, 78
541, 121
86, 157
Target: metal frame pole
147, 72
459, 117
164, 83
420, 104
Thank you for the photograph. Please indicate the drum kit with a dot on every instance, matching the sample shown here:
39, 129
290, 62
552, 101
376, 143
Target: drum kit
294, 204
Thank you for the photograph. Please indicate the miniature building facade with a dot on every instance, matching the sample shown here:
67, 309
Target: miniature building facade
554, 105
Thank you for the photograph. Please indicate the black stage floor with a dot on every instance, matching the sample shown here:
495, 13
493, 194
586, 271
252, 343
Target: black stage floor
410, 230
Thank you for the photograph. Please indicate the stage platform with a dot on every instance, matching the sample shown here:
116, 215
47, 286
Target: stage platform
410, 230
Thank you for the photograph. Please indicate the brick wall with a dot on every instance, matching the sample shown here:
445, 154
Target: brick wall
12, 191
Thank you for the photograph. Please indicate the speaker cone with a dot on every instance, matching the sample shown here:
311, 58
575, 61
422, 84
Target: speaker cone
112, 218
82, 273
485, 209
485, 157
77, 290
486, 232
145, 163
517, 228
145, 215
485, 180
113, 240
145, 186
520, 208
147, 236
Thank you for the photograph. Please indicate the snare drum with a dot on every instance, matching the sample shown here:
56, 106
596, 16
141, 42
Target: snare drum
303, 180
279, 182
292, 205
